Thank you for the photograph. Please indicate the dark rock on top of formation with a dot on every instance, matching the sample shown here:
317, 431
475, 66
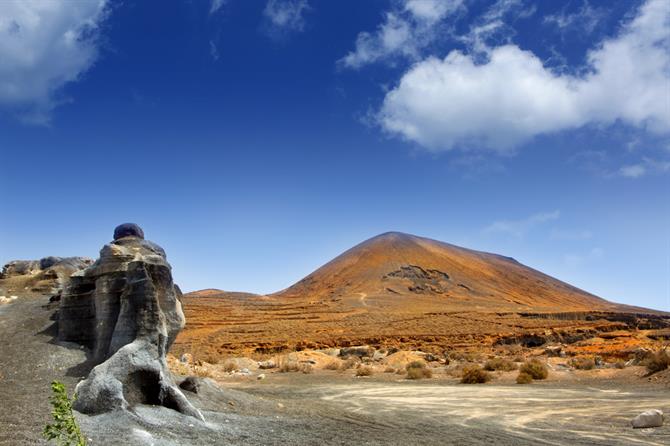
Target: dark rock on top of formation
128, 230
126, 308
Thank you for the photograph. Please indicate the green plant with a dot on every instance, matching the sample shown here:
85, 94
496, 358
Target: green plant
500, 364
535, 368
474, 375
524, 378
64, 430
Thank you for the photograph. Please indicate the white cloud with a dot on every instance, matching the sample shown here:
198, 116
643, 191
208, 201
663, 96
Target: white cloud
43, 46
644, 167
558, 234
576, 260
216, 6
518, 228
455, 102
407, 28
586, 19
286, 15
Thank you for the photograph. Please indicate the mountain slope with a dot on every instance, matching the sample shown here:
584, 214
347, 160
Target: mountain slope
397, 264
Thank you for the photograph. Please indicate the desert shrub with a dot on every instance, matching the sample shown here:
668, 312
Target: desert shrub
306, 368
229, 366
657, 362
474, 374
389, 370
500, 364
582, 363
333, 365
418, 370
64, 430
364, 370
524, 378
620, 364
348, 364
535, 368
285, 365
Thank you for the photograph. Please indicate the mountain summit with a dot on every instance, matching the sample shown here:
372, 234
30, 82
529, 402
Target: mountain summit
398, 266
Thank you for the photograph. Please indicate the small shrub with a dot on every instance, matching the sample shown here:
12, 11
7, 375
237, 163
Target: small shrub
229, 366
535, 368
306, 368
500, 364
286, 366
333, 365
418, 370
524, 378
582, 363
389, 370
364, 370
64, 430
474, 374
657, 362
348, 364
620, 365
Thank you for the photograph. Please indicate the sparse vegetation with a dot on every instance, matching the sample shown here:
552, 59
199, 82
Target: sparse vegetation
502, 364
348, 364
64, 430
474, 374
620, 364
524, 378
306, 368
418, 370
657, 362
582, 363
229, 366
389, 370
285, 365
333, 365
535, 368
364, 370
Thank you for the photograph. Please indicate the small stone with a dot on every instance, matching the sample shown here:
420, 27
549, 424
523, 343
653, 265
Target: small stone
261, 376
649, 418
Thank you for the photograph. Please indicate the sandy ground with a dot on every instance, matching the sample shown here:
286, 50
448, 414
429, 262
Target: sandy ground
321, 408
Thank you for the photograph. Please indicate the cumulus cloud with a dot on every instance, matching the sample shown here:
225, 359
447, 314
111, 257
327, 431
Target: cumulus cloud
44, 45
456, 102
518, 228
285, 15
407, 28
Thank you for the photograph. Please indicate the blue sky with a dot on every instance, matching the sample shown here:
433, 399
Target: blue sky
256, 140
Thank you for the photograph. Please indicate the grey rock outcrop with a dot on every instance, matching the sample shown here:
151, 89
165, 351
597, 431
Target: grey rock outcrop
47, 275
127, 310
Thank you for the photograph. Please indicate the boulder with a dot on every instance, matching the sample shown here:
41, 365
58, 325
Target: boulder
127, 310
190, 384
128, 230
649, 418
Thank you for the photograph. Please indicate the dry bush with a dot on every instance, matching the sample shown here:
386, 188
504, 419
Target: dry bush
334, 365
348, 364
306, 368
657, 362
418, 370
364, 370
582, 363
389, 370
208, 356
500, 364
229, 366
284, 365
620, 364
474, 374
524, 378
535, 368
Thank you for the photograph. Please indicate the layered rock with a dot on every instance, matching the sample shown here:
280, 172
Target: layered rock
46, 276
127, 310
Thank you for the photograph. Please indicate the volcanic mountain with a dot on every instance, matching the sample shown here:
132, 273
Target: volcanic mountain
396, 265
401, 290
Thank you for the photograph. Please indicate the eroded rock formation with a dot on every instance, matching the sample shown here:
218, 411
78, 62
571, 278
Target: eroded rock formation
127, 310
45, 276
